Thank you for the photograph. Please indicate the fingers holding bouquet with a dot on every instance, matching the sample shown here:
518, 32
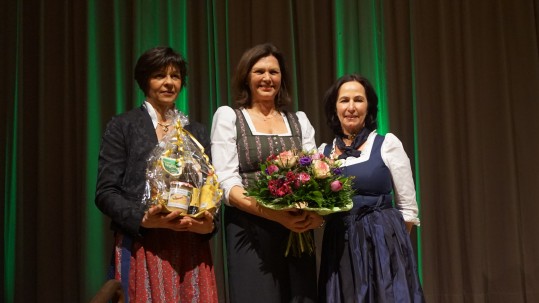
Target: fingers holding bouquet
303, 220
296, 220
315, 220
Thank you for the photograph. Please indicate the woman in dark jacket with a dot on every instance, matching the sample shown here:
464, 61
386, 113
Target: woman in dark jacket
157, 256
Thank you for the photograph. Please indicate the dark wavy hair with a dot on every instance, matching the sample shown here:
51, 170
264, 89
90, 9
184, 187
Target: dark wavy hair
330, 101
156, 59
241, 79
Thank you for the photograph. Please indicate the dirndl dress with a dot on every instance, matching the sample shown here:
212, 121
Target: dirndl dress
258, 271
367, 255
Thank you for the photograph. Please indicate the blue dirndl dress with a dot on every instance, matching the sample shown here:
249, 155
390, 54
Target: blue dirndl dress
367, 255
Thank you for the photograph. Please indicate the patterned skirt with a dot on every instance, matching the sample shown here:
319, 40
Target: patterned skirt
164, 266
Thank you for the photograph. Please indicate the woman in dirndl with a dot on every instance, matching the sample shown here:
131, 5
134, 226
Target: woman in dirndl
367, 255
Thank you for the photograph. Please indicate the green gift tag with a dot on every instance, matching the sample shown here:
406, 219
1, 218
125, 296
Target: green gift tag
172, 166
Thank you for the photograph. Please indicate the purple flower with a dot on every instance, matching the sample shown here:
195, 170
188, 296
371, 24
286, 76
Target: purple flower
336, 185
337, 171
305, 161
272, 169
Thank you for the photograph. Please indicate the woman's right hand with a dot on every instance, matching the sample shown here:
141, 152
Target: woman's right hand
155, 218
296, 220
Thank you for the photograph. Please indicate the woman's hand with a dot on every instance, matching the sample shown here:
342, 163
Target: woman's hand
154, 218
296, 220
202, 225
316, 221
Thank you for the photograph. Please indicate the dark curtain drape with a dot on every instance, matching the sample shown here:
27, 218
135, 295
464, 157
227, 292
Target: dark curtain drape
476, 82
458, 82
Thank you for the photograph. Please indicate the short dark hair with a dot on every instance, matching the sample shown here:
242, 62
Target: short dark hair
330, 101
240, 82
156, 59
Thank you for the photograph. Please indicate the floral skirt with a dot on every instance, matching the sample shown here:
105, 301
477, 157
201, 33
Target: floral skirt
164, 266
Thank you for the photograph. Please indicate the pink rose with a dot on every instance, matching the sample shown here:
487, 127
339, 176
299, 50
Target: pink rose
320, 169
304, 177
317, 156
336, 185
272, 169
286, 159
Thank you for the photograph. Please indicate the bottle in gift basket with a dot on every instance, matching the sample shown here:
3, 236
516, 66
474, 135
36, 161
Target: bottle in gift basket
194, 206
209, 193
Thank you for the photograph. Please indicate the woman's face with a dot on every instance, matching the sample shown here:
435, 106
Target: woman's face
351, 107
265, 79
164, 86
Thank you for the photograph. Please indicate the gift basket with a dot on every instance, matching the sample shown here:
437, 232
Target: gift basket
179, 174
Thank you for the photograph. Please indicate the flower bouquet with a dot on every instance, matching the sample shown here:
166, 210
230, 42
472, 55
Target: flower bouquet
179, 174
306, 181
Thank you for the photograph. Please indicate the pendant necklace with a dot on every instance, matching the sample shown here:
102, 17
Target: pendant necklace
164, 126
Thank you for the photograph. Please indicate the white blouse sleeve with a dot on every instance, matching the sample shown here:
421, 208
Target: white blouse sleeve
398, 162
322, 147
307, 131
223, 149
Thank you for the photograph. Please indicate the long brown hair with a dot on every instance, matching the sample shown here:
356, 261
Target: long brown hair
240, 81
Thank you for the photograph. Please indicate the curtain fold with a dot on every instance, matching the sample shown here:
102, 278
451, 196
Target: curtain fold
457, 82
9, 141
360, 47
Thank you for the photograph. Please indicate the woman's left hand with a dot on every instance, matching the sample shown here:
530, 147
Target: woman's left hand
202, 225
315, 220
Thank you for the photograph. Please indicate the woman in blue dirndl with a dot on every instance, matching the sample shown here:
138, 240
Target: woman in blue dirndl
367, 255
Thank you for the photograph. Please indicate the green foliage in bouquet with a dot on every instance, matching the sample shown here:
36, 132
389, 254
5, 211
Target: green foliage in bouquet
302, 180
290, 178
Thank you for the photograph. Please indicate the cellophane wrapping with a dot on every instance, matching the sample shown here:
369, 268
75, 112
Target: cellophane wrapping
179, 174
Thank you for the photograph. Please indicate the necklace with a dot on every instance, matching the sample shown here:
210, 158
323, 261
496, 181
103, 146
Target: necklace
265, 118
164, 126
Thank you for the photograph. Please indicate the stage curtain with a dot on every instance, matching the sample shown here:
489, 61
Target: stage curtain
457, 82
